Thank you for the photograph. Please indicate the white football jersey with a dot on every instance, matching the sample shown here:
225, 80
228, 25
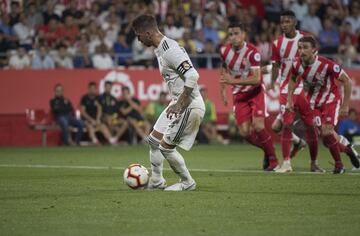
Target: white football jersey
175, 65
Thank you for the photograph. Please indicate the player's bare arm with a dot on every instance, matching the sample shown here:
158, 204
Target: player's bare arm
253, 79
345, 80
180, 106
222, 85
274, 74
291, 89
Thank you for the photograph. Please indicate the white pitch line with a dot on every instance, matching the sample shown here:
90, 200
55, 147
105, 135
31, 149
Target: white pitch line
122, 168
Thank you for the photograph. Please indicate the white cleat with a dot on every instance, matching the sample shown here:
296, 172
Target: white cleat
285, 168
182, 186
152, 185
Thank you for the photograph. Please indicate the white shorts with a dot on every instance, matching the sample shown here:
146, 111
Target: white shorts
181, 131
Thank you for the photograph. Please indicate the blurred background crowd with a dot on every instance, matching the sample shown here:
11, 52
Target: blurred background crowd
70, 34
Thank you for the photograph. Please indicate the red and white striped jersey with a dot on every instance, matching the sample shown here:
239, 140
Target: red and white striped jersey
284, 50
240, 62
319, 80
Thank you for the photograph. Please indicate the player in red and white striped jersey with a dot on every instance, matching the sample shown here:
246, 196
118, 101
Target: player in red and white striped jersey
319, 76
241, 69
284, 50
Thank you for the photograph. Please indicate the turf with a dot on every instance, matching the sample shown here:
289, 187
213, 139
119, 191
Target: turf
40, 194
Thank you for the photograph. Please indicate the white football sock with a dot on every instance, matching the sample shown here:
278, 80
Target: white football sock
295, 138
156, 159
343, 140
177, 163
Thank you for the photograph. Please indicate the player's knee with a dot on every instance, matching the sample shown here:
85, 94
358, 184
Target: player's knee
276, 126
153, 142
258, 126
244, 131
166, 149
327, 130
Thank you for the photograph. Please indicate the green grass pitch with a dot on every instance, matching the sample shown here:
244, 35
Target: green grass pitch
79, 191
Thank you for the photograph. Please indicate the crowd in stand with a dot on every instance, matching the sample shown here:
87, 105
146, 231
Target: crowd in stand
70, 34
111, 121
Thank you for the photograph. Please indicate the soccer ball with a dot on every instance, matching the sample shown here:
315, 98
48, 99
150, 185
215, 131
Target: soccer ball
136, 176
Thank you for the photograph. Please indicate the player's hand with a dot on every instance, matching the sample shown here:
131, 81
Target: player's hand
224, 100
344, 110
289, 106
271, 86
226, 78
174, 111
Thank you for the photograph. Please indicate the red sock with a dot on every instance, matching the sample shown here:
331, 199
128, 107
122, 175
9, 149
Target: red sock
266, 141
252, 139
286, 139
331, 142
312, 141
344, 148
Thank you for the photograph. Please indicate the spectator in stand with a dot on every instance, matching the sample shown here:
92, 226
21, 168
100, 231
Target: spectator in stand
91, 114
34, 17
311, 22
8, 31
122, 47
102, 58
328, 38
208, 132
187, 25
63, 112
354, 18
170, 29
188, 43
72, 10
69, 30
50, 32
142, 55
42, 59
209, 61
263, 46
110, 109
272, 9
348, 32
199, 41
350, 127
63, 60
210, 33
154, 108
130, 109
49, 13
300, 8
348, 51
15, 10
214, 13
20, 60
24, 32
82, 57
4, 46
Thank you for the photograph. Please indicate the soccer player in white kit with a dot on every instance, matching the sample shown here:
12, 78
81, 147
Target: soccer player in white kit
179, 123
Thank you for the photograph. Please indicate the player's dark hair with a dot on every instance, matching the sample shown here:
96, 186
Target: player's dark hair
57, 85
236, 24
288, 13
123, 88
92, 83
144, 22
108, 82
308, 39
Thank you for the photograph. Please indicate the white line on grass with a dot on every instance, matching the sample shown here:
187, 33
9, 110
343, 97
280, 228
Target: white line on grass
122, 168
